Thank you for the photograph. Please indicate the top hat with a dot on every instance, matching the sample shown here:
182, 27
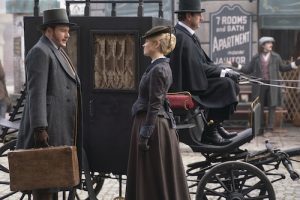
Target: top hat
156, 30
190, 6
55, 16
265, 39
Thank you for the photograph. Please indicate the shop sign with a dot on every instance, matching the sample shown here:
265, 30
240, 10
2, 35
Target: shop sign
231, 35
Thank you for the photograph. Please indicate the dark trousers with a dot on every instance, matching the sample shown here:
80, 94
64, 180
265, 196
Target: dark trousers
265, 100
220, 98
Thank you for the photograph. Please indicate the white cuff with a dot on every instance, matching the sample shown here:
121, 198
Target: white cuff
224, 71
294, 66
239, 67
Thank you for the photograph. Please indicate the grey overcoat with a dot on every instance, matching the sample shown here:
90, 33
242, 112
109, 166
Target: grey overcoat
275, 66
52, 96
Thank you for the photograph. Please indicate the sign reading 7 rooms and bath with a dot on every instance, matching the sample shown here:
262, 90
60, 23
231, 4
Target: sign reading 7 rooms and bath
231, 35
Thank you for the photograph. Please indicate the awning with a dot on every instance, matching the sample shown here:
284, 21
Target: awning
279, 14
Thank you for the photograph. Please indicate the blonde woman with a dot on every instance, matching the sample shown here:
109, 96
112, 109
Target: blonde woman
155, 168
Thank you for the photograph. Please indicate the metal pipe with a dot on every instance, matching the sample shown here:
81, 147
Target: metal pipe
141, 8
160, 10
113, 10
68, 8
87, 8
36, 9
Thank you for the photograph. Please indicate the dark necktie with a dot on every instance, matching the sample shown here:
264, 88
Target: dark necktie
196, 40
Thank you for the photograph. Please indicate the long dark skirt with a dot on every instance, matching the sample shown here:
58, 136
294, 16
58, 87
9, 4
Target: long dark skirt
157, 174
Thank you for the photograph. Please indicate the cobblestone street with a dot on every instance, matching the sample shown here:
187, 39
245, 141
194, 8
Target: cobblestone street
285, 189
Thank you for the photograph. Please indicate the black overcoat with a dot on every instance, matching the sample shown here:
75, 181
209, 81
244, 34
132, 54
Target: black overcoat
194, 71
190, 65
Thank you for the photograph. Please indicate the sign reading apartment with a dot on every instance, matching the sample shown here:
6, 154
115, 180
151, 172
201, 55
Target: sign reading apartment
231, 35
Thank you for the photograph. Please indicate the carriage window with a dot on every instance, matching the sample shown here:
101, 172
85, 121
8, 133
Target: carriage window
114, 61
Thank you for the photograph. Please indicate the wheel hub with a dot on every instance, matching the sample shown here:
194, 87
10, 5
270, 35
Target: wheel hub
236, 196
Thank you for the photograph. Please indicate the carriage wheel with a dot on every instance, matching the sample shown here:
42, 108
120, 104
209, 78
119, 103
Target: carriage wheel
4, 173
97, 182
235, 181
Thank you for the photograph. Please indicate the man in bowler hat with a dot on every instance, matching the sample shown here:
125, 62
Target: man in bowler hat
52, 88
193, 71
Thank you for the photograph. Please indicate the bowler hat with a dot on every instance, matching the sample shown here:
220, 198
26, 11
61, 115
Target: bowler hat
265, 39
156, 30
55, 16
187, 6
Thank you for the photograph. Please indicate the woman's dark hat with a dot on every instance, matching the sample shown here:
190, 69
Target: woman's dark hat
55, 16
190, 6
156, 30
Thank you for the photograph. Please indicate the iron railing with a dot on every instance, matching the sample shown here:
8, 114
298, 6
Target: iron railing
140, 12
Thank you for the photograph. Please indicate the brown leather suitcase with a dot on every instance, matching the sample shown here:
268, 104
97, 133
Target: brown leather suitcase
53, 167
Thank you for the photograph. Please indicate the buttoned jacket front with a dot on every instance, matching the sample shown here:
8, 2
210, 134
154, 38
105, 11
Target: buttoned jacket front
52, 96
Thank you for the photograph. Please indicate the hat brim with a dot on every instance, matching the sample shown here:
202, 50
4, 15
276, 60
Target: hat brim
167, 30
190, 11
43, 26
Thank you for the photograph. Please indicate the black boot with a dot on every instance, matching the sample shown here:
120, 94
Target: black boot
225, 134
212, 136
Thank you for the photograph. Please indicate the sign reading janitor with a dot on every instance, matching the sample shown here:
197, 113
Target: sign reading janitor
231, 35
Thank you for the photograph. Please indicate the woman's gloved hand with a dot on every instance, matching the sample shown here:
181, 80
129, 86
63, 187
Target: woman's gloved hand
145, 133
143, 144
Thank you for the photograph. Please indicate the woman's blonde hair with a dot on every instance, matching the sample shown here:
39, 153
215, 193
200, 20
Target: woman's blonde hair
167, 42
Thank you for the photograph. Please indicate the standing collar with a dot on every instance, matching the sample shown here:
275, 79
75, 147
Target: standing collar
157, 59
55, 46
191, 31
155, 62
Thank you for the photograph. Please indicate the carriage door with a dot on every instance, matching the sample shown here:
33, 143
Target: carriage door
111, 64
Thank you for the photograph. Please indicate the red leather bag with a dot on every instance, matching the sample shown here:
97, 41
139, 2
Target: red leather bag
181, 100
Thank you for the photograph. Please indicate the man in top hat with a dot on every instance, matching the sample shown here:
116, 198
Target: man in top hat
266, 65
52, 86
195, 72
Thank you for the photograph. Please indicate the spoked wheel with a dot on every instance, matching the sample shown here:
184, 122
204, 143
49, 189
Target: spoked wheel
235, 181
97, 183
4, 174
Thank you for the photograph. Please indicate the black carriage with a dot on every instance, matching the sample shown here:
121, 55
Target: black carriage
109, 48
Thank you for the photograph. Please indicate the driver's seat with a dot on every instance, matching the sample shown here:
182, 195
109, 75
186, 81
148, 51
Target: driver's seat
190, 124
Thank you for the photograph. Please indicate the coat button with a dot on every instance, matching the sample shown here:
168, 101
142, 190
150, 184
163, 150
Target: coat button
68, 100
68, 87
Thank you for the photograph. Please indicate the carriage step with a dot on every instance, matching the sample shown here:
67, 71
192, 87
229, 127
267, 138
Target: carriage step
9, 124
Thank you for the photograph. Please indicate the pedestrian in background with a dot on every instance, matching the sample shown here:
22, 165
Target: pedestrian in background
4, 98
266, 65
155, 168
52, 89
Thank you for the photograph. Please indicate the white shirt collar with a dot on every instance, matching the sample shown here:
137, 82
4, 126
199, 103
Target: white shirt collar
266, 56
191, 31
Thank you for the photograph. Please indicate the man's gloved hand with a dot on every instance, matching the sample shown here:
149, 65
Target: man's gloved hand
143, 144
235, 76
41, 137
235, 64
